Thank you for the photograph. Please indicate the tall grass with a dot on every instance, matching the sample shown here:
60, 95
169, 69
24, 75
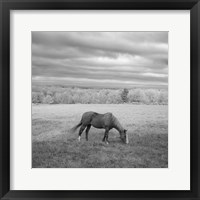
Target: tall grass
61, 95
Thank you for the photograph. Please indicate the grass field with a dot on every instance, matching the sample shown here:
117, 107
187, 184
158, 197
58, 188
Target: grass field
54, 147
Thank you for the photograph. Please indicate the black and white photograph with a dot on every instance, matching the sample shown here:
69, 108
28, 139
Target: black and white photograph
99, 99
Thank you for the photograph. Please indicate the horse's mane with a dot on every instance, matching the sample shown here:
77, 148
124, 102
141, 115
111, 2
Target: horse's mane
117, 124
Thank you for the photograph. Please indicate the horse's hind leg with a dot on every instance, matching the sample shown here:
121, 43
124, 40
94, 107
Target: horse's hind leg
104, 138
80, 132
87, 131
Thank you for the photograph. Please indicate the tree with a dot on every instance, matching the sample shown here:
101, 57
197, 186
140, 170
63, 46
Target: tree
48, 100
124, 95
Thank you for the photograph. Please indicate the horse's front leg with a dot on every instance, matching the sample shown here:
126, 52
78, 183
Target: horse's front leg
105, 138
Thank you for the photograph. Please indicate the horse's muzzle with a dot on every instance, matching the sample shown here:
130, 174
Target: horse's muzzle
124, 140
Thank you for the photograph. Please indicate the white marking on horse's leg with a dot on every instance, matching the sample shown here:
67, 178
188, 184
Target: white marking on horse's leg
79, 138
127, 139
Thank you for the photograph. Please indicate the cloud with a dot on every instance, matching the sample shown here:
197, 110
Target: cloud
133, 58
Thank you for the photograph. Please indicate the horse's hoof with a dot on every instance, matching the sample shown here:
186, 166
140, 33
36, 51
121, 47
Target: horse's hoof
79, 138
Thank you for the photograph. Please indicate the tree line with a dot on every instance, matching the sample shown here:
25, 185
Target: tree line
62, 95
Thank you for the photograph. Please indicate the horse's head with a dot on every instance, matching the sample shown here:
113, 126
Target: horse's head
124, 136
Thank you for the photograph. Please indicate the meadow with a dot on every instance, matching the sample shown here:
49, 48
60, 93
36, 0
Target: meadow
53, 146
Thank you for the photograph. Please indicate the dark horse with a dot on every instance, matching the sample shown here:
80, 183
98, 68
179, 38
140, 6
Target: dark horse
106, 121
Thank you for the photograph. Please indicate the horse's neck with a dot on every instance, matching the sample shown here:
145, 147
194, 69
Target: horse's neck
117, 125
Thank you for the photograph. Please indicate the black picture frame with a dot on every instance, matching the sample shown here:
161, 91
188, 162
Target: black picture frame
7, 5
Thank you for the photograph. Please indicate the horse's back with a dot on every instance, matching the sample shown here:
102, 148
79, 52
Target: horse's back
103, 120
89, 113
97, 120
87, 117
108, 114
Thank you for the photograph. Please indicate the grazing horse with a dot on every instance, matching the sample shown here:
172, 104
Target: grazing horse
105, 121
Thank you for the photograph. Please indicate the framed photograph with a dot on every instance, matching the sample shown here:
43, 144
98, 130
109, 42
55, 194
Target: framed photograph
99, 99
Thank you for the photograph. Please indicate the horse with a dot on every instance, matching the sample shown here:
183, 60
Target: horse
105, 121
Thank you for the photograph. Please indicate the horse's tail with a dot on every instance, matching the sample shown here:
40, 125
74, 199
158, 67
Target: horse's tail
72, 130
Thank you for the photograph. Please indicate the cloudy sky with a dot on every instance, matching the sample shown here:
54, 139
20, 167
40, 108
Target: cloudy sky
101, 59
